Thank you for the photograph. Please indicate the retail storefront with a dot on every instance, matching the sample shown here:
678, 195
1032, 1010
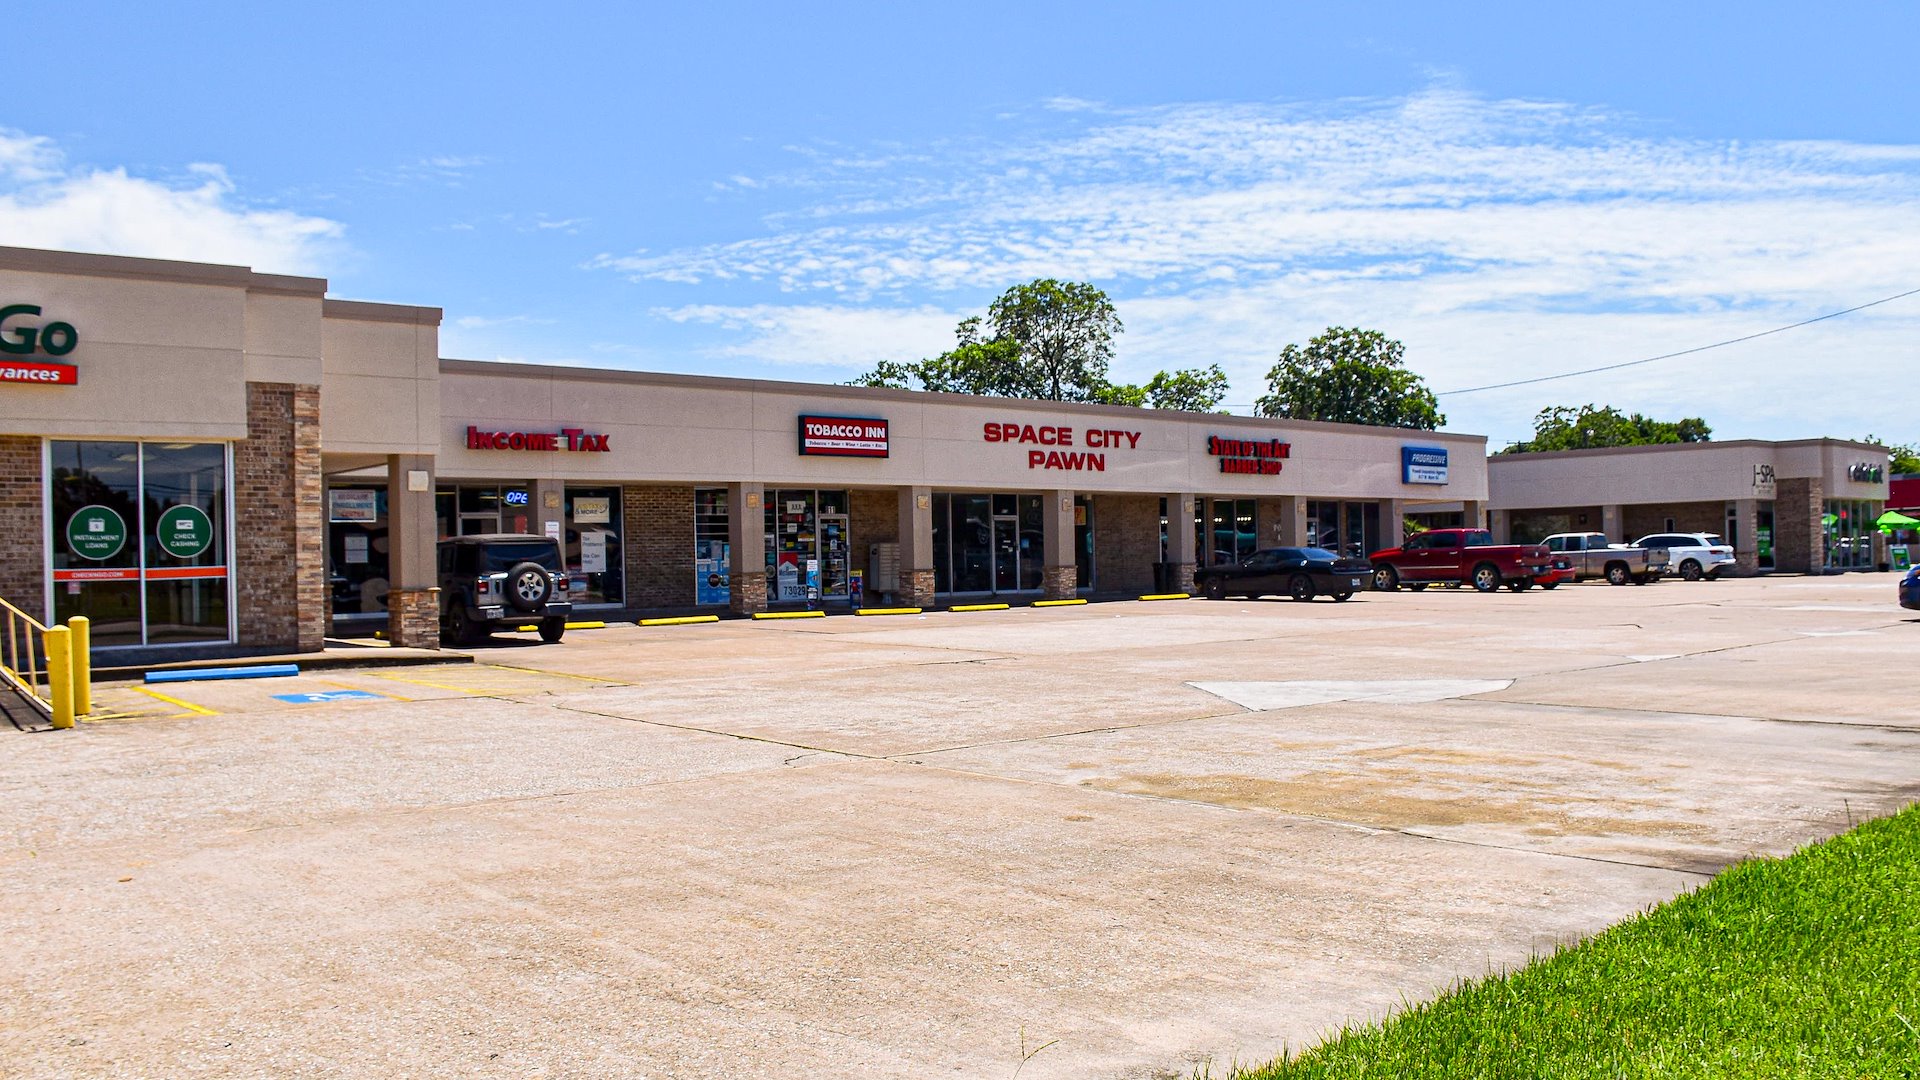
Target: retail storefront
1805, 506
217, 460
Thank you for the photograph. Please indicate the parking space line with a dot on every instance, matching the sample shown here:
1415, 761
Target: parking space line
187, 705
345, 686
555, 674
437, 686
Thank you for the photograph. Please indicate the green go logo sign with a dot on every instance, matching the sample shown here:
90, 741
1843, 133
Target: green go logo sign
184, 532
96, 533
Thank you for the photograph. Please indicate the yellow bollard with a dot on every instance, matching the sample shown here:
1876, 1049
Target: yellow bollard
82, 628
60, 674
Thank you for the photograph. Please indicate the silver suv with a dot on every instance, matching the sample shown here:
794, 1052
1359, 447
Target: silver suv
502, 580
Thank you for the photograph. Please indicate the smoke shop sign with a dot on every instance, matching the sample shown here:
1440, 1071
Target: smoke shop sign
843, 436
1053, 446
1250, 457
20, 338
574, 440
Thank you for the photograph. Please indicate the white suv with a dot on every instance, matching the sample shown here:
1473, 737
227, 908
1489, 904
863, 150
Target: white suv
1694, 555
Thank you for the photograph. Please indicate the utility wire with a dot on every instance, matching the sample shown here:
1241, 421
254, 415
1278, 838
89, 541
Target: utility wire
1682, 352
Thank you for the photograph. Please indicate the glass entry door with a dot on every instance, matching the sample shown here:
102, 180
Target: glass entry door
835, 557
1006, 554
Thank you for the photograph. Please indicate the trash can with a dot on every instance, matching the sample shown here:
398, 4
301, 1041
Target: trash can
1164, 576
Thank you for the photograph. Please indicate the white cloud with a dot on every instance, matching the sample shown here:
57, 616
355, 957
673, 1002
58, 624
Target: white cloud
847, 337
44, 203
1495, 237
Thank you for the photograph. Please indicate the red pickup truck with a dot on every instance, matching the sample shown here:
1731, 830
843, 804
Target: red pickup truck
1466, 556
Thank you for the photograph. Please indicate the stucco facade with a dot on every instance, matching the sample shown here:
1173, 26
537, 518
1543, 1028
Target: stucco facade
1801, 506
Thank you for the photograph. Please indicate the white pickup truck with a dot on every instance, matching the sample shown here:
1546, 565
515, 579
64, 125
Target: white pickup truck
1593, 555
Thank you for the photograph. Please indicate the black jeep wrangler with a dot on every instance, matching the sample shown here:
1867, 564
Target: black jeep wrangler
501, 580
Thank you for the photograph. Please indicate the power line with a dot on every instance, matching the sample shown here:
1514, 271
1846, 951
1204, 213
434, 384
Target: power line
1682, 352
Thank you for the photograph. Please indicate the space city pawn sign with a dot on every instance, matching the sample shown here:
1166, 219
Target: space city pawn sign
575, 440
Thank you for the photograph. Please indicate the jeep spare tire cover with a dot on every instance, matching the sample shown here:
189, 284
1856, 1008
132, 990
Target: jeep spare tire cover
528, 586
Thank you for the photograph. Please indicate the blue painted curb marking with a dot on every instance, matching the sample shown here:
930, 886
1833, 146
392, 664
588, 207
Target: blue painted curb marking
263, 671
325, 696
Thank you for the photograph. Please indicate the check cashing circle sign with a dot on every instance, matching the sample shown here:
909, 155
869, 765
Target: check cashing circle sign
184, 531
96, 533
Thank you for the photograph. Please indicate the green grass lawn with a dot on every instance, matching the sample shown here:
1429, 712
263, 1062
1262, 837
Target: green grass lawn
1807, 966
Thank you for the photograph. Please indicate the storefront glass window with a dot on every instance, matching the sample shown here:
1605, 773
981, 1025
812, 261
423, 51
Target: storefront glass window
1763, 535
140, 540
997, 543
808, 545
595, 556
357, 550
712, 547
184, 492
1083, 541
1848, 529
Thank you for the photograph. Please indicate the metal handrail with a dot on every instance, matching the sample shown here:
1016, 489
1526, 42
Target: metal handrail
61, 662
23, 633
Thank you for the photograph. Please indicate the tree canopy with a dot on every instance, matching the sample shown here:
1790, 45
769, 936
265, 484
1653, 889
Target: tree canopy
1903, 459
1350, 376
1565, 427
1049, 340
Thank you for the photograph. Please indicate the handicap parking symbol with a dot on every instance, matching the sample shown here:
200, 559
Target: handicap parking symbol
325, 696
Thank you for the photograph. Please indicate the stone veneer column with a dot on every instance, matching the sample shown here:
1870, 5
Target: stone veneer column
747, 542
413, 571
1744, 517
1500, 524
23, 565
916, 546
279, 556
1799, 538
1059, 580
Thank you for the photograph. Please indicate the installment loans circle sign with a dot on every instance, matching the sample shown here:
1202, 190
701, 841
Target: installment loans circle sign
184, 532
96, 533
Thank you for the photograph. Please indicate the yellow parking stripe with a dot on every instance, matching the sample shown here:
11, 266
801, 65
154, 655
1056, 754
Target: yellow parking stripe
456, 689
362, 689
187, 705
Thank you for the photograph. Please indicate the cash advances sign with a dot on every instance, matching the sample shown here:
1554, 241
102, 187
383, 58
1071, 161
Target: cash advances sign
17, 338
1423, 465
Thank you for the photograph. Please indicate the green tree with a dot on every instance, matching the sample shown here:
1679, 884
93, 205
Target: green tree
1903, 459
1065, 333
1048, 340
1350, 376
1565, 427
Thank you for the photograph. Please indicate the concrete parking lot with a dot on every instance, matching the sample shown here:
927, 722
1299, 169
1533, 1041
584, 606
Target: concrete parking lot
1121, 840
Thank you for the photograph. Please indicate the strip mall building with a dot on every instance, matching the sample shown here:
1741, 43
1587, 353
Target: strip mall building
207, 459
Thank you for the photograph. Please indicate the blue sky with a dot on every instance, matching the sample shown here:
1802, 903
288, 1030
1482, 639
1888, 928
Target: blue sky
766, 190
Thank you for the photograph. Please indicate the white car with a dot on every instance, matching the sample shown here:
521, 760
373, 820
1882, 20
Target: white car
1694, 555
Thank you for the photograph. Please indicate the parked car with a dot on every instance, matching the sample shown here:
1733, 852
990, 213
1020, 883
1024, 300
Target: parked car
1560, 573
1461, 556
500, 580
1301, 573
1910, 589
1692, 555
1594, 556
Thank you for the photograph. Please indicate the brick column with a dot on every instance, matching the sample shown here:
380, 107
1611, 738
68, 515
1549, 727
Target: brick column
916, 546
549, 506
413, 574
747, 542
279, 556
1743, 520
23, 565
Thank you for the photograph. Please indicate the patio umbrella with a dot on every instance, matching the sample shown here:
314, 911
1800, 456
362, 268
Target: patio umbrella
1894, 519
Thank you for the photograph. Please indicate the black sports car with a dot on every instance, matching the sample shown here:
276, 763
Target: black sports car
1302, 573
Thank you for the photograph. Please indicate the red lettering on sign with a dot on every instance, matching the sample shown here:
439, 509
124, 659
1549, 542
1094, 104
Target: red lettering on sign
542, 441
